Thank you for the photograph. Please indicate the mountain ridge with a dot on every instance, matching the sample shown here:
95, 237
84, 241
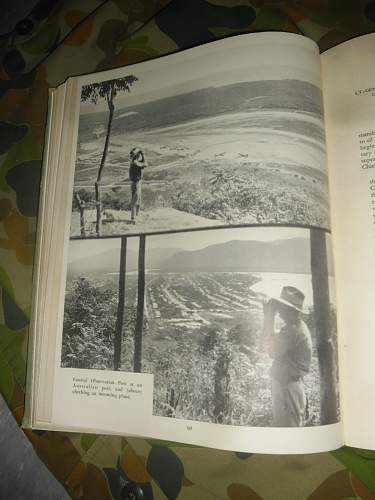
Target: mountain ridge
289, 256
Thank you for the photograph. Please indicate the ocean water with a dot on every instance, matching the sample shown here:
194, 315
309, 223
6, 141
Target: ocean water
271, 284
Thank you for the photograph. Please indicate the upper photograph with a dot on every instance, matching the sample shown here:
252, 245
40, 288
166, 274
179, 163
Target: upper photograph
185, 144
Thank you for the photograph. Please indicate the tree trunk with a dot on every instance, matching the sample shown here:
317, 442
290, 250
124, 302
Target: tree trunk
172, 403
98, 205
140, 305
221, 383
322, 313
81, 207
120, 307
98, 201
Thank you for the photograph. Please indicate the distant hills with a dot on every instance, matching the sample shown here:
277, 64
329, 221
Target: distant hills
283, 256
203, 103
292, 255
109, 261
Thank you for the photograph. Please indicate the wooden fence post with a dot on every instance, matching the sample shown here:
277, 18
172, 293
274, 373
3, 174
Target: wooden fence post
120, 307
81, 205
322, 315
140, 305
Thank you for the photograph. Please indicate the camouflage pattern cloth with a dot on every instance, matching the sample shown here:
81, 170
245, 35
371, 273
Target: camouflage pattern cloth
64, 38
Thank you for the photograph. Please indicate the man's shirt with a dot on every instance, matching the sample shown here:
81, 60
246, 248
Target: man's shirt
291, 349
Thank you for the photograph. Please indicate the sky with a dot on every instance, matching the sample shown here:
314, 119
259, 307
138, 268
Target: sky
233, 60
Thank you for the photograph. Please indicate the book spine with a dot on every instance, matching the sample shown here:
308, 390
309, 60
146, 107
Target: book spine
27, 421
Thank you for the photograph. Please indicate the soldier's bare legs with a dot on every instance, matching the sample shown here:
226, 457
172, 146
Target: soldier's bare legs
133, 214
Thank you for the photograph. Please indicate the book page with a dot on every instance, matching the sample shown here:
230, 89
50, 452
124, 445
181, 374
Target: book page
197, 297
349, 100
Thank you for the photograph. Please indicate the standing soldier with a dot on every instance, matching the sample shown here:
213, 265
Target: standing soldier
137, 164
291, 350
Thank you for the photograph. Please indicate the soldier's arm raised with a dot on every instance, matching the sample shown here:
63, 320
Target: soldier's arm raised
269, 310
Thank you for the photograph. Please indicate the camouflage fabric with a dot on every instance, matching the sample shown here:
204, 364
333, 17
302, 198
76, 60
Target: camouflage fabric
70, 38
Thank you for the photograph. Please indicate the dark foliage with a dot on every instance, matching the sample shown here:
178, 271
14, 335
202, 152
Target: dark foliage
89, 326
105, 90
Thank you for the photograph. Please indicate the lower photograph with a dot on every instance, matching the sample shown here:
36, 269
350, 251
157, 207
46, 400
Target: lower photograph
237, 325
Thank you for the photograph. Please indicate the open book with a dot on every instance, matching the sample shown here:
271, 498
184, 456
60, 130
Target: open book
205, 258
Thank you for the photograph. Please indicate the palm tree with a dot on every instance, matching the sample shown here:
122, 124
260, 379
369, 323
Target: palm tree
105, 90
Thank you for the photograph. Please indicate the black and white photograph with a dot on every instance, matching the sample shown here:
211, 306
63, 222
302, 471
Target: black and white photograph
178, 148
237, 325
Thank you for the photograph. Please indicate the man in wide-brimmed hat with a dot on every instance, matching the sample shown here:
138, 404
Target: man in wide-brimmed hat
291, 350
137, 164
